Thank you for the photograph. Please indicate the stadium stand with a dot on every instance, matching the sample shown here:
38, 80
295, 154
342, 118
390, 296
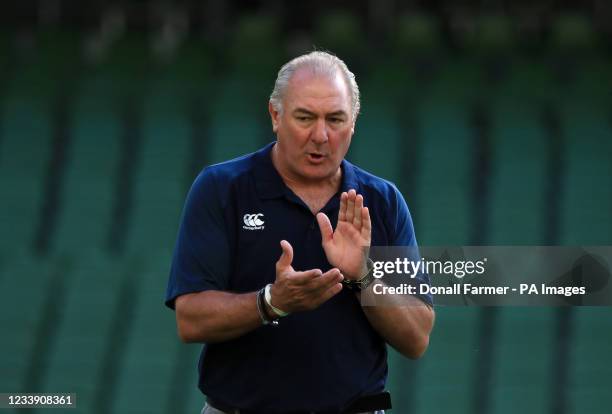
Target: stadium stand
589, 372
86, 315
377, 127
91, 309
518, 187
25, 150
29, 282
238, 108
160, 176
443, 186
586, 220
444, 181
150, 359
445, 375
91, 168
519, 175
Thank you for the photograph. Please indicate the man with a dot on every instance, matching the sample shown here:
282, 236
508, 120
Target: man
288, 334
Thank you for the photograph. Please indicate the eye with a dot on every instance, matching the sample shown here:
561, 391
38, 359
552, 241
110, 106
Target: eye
336, 120
302, 118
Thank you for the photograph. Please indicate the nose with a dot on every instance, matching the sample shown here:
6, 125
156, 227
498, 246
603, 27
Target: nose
319, 132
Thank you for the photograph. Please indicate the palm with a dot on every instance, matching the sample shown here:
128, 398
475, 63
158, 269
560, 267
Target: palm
346, 246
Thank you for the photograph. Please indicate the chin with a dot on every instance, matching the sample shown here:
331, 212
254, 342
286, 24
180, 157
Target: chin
317, 173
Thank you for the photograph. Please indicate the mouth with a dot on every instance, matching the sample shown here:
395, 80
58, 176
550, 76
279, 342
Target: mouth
315, 157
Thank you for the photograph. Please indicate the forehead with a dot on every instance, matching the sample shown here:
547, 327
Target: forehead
317, 92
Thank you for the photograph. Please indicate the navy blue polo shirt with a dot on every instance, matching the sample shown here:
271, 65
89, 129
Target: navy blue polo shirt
235, 216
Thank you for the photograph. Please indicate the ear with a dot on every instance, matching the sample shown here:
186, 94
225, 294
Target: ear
275, 116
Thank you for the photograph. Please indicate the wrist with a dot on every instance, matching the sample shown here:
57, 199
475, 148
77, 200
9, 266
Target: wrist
364, 280
269, 310
277, 312
266, 316
363, 270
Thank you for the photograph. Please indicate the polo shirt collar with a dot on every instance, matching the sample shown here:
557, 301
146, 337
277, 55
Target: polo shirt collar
269, 183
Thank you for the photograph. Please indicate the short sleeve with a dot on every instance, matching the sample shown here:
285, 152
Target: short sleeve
404, 236
201, 255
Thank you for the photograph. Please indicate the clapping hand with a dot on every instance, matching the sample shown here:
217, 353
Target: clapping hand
346, 247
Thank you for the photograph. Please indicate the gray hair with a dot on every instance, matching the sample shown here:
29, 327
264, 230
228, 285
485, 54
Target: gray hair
321, 63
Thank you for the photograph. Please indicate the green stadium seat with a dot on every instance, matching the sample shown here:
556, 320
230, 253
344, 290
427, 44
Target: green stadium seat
587, 195
518, 180
25, 151
402, 381
386, 140
87, 329
444, 181
196, 400
446, 371
378, 136
189, 72
161, 175
239, 121
589, 361
523, 360
90, 177
255, 52
442, 216
524, 337
28, 284
585, 220
152, 350
447, 139
185, 396
59, 56
594, 83
28, 110
128, 62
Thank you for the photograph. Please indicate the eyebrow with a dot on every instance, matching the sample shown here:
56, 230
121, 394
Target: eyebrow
310, 113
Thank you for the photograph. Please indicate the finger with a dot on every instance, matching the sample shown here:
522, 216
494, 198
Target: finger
327, 279
287, 255
350, 206
358, 208
305, 277
331, 292
366, 229
327, 232
343, 202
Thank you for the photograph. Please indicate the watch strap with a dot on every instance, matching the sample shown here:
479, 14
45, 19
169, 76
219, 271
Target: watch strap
363, 282
266, 319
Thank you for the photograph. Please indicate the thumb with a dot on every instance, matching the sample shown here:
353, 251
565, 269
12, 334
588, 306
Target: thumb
325, 226
287, 255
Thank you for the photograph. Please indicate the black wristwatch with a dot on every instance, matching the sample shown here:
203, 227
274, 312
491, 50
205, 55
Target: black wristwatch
365, 281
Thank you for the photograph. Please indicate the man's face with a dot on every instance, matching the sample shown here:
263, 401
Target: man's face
315, 128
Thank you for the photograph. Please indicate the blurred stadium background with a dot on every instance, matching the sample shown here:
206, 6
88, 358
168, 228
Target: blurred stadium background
494, 118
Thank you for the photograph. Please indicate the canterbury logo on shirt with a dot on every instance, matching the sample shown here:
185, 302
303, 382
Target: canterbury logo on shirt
253, 222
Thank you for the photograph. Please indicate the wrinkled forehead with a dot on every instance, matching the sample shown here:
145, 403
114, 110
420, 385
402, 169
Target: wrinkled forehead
308, 87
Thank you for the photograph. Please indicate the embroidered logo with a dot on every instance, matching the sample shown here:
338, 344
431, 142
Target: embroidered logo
253, 222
